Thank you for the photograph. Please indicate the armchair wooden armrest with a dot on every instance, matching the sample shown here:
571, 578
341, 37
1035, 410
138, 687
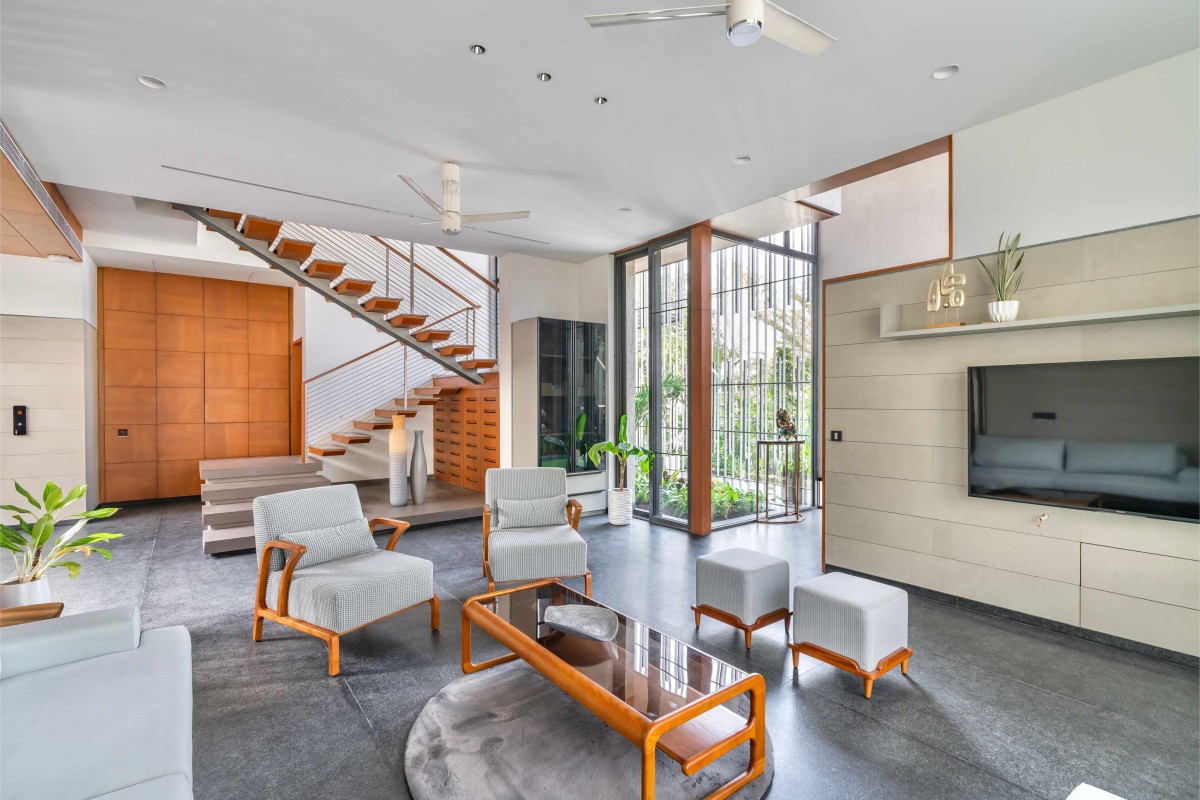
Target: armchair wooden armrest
285, 582
400, 527
487, 529
574, 511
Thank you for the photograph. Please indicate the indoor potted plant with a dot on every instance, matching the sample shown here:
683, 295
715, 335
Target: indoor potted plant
1005, 278
620, 499
37, 548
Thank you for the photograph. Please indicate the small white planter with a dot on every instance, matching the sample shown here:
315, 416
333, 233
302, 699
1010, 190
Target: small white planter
620, 506
1003, 310
24, 594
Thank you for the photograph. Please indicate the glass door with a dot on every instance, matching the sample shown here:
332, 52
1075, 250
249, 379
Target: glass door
656, 336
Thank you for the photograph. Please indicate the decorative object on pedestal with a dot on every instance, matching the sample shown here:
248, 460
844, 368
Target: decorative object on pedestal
37, 548
419, 470
397, 466
620, 499
787, 428
1005, 278
593, 623
945, 293
778, 464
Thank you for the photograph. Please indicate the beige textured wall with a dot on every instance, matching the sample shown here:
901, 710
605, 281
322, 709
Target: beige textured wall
895, 488
45, 364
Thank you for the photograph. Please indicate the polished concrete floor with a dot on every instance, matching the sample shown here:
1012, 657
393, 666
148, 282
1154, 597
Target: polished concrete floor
991, 708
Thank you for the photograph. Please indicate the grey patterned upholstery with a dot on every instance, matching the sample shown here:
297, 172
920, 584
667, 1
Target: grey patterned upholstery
344, 594
528, 554
742, 582
337, 593
860, 619
538, 513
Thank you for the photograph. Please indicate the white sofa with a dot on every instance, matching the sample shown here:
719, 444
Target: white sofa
93, 707
1154, 471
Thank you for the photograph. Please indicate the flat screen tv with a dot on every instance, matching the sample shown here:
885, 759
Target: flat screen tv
1115, 436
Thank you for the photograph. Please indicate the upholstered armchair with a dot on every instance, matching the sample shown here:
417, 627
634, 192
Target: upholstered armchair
531, 529
321, 573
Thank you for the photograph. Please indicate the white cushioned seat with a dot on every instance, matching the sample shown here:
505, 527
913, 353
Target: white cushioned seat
526, 554
349, 592
742, 582
863, 620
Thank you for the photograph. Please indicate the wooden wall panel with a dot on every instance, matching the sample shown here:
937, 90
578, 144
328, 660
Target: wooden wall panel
191, 368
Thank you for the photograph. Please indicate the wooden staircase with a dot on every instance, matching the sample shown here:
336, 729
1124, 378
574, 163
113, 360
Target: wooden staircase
261, 237
230, 486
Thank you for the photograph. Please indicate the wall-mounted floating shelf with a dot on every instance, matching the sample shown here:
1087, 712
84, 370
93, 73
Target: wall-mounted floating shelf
889, 321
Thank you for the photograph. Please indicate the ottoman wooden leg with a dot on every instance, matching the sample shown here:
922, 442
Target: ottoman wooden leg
868, 685
697, 612
904, 667
749, 634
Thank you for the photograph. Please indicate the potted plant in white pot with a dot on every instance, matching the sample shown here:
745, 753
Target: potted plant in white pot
36, 548
1005, 278
620, 499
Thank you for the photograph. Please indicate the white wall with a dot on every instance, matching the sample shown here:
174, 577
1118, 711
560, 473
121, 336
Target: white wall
898, 217
38, 287
1116, 154
333, 336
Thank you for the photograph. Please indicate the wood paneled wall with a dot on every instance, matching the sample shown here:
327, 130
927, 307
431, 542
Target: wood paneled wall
466, 432
191, 368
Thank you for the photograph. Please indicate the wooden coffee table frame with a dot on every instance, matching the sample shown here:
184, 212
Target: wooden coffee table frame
689, 734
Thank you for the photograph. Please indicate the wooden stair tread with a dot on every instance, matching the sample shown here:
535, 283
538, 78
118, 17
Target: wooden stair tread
435, 390
408, 320
326, 450
389, 412
354, 287
372, 424
326, 270
417, 400
383, 304
456, 349
431, 335
294, 249
351, 438
261, 228
477, 363
236, 216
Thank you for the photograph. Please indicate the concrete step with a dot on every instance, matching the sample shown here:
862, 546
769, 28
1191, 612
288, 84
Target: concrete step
227, 515
235, 468
250, 489
228, 540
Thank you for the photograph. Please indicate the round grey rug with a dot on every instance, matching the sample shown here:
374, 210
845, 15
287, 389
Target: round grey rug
508, 733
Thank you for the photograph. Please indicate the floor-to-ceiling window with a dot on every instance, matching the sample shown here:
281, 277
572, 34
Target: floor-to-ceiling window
762, 362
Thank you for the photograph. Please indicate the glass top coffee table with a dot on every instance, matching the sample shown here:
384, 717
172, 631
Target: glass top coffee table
656, 691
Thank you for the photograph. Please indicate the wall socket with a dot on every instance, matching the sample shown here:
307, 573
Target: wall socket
835, 436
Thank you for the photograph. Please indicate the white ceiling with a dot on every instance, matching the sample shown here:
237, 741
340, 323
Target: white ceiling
335, 99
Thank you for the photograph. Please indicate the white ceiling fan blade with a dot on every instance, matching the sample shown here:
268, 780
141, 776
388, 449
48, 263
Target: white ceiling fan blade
662, 15
506, 235
788, 29
416, 187
497, 217
431, 222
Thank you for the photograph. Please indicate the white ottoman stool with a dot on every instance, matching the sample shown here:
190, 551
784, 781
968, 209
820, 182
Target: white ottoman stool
742, 588
852, 623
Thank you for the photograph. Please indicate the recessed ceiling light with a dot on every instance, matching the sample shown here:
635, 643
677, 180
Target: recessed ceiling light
151, 82
948, 71
544, 76
58, 258
742, 159
624, 210
478, 49
600, 100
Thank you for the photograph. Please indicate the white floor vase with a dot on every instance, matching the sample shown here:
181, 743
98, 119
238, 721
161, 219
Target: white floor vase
620, 506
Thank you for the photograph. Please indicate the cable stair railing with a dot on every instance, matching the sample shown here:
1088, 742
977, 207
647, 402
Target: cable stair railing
379, 281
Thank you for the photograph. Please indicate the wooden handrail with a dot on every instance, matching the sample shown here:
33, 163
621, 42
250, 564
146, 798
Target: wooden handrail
431, 276
467, 267
351, 361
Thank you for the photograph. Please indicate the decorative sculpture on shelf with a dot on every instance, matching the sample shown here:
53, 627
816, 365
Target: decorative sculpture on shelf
783, 422
945, 293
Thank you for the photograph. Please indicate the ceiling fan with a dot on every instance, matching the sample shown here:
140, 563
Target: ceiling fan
452, 218
746, 21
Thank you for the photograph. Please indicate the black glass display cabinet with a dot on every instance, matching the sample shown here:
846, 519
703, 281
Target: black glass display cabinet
571, 392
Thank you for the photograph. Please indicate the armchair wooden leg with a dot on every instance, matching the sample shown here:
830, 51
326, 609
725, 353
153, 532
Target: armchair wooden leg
435, 613
587, 583
334, 656
256, 632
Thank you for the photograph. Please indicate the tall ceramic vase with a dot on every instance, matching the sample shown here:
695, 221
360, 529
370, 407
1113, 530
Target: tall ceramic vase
397, 463
419, 470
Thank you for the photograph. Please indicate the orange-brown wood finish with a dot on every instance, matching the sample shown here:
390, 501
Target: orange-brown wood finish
729, 619
280, 614
685, 734
699, 371
180, 376
19, 615
888, 663
574, 512
466, 430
